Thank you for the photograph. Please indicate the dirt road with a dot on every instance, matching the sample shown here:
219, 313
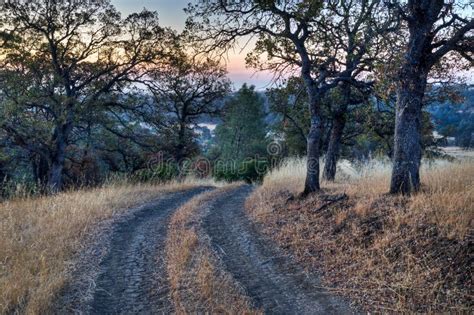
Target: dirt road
275, 284
128, 277
132, 281
121, 273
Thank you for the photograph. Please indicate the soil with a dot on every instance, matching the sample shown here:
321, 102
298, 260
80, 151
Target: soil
272, 280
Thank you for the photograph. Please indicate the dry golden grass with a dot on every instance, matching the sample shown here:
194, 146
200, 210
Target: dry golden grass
458, 152
198, 281
389, 253
40, 236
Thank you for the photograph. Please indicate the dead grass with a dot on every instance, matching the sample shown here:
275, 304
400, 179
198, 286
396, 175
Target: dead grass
39, 238
388, 253
199, 284
458, 152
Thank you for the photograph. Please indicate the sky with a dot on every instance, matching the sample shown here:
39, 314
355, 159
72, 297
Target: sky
171, 14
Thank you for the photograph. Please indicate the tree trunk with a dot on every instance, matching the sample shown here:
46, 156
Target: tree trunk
314, 136
55, 176
332, 155
334, 145
312, 166
57, 166
411, 86
181, 145
407, 148
58, 158
313, 148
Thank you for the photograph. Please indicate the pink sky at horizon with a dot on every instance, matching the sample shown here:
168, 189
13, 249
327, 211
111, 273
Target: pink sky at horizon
171, 14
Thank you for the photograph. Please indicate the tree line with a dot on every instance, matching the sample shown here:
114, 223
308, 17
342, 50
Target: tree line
79, 82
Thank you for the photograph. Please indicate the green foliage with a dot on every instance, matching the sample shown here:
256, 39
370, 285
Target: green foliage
226, 172
369, 128
376, 121
253, 170
242, 134
18, 188
157, 174
290, 105
249, 170
455, 118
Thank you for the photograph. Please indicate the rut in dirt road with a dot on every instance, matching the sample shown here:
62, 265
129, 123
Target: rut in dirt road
132, 280
275, 284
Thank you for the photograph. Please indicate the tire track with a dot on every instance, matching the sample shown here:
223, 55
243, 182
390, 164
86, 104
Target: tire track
273, 282
131, 280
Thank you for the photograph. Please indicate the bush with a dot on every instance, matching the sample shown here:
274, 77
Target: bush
20, 187
226, 172
159, 173
249, 170
254, 170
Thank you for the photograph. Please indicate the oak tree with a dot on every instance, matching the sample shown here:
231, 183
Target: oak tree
59, 61
185, 90
436, 31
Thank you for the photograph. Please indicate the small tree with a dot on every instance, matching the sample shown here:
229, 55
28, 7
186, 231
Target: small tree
242, 134
289, 102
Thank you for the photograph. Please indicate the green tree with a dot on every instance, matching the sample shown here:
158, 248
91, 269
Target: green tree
242, 133
289, 103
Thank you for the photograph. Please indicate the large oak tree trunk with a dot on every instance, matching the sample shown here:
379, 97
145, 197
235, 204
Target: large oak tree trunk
312, 171
180, 146
407, 148
334, 145
56, 171
411, 88
57, 166
55, 176
313, 141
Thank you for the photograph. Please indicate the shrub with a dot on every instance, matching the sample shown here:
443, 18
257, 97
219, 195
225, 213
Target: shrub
159, 173
249, 170
254, 170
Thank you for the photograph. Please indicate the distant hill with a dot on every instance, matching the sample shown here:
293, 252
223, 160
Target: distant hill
455, 119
